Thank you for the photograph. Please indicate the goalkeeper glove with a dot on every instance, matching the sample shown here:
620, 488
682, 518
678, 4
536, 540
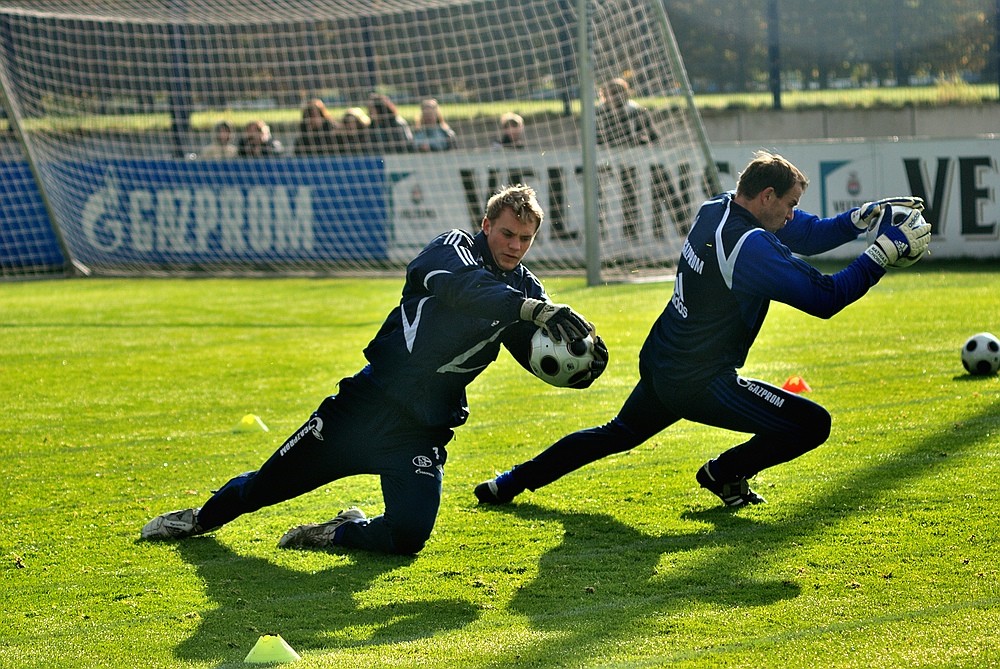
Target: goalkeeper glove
868, 215
597, 365
900, 245
558, 320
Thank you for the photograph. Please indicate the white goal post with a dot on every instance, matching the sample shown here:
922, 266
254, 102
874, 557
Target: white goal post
110, 108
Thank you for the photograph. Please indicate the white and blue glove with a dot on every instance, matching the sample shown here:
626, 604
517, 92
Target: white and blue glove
868, 215
900, 244
558, 320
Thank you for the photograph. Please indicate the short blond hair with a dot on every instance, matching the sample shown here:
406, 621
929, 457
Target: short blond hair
520, 199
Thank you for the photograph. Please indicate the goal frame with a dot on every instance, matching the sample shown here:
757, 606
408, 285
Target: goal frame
592, 160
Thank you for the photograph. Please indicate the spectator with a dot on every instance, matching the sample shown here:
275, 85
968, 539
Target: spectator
432, 133
257, 142
388, 132
352, 135
222, 145
511, 132
317, 131
620, 120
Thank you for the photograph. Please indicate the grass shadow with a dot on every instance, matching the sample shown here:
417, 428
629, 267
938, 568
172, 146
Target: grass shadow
310, 610
606, 579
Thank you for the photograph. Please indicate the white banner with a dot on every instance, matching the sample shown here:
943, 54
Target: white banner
638, 190
958, 179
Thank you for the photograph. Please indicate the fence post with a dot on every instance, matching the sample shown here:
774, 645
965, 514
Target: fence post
774, 51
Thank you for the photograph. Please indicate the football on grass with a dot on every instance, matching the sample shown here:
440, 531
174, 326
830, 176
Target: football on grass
981, 354
559, 363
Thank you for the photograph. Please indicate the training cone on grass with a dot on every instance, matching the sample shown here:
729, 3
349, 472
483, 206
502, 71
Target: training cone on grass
251, 423
271, 648
796, 384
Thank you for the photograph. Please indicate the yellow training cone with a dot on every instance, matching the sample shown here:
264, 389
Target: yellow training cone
251, 423
271, 648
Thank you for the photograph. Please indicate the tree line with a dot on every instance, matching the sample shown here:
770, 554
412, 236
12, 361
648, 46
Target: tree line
479, 50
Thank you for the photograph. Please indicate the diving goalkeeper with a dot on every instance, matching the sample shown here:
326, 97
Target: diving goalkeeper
737, 258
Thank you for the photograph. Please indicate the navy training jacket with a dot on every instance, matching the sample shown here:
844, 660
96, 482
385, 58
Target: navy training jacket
457, 309
729, 271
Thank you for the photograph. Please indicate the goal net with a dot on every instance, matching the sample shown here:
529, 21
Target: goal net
114, 110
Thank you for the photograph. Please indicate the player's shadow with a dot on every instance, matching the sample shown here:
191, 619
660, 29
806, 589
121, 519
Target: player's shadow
252, 596
606, 577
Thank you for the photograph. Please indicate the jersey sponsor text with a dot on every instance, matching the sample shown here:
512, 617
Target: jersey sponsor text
696, 263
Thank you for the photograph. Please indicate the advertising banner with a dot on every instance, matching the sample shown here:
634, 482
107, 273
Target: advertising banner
959, 181
228, 211
430, 194
372, 210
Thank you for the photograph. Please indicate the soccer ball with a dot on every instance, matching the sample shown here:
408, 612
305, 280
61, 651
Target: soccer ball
559, 363
899, 214
981, 354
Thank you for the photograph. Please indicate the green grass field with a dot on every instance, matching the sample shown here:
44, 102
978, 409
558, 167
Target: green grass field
879, 549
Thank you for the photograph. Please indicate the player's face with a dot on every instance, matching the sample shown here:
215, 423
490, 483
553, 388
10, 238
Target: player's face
776, 210
508, 238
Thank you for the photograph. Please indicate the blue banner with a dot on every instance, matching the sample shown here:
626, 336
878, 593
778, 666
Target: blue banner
27, 242
230, 212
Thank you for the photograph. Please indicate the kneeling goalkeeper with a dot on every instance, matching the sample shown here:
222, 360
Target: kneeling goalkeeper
464, 296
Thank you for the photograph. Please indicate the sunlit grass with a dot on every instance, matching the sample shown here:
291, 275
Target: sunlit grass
877, 550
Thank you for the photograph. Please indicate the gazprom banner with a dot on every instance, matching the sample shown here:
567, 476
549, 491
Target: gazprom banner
194, 212
26, 237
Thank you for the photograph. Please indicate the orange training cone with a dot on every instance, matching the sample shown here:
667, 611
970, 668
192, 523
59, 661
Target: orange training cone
796, 384
271, 648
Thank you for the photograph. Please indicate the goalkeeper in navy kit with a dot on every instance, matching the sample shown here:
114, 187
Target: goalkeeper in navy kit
464, 296
737, 257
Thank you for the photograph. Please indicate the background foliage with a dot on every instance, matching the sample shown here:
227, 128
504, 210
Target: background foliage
835, 44
448, 50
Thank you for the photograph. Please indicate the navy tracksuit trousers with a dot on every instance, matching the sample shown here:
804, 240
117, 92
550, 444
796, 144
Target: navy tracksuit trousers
784, 426
357, 431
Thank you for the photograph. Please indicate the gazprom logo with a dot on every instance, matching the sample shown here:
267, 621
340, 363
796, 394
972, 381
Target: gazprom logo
316, 425
760, 391
313, 427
